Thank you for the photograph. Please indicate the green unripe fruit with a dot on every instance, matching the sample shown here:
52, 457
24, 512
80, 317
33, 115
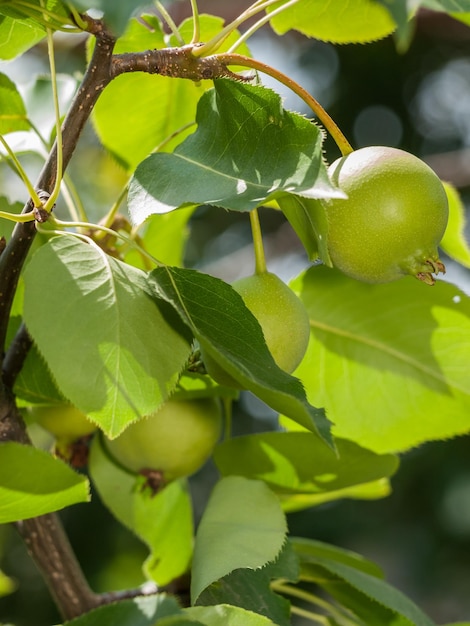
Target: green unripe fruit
65, 422
392, 220
176, 440
282, 317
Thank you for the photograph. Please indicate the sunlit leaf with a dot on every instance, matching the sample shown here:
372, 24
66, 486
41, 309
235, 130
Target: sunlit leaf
124, 352
242, 527
33, 483
18, 35
340, 21
388, 362
12, 109
246, 149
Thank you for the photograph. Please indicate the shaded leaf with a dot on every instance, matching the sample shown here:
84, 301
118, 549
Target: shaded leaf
298, 462
342, 22
251, 589
141, 611
389, 362
116, 14
228, 331
124, 352
364, 593
33, 483
242, 527
162, 521
246, 149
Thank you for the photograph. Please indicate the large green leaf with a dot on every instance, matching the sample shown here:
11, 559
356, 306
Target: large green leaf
141, 611
33, 483
242, 527
246, 149
297, 462
162, 521
388, 362
231, 335
12, 109
454, 243
338, 21
114, 352
153, 107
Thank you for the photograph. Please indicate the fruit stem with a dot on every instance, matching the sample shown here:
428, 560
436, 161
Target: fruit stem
327, 121
260, 259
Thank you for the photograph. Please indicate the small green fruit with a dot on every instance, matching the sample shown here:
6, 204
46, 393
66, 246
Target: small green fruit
176, 440
65, 422
282, 317
392, 220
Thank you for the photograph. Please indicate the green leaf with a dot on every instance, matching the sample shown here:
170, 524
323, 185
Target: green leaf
18, 35
242, 527
34, 383
366, 491
6, 226
309, 549
141, 611
307, 217
32, 483
363, 592
341, 21
298, 462
230, 334
162, 521
12, 110
454, 243
163, 106
251, 589
246, 149
388, 362
124, 350
226, 615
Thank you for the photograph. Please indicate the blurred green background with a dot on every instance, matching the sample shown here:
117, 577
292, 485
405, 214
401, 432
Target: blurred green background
418, 100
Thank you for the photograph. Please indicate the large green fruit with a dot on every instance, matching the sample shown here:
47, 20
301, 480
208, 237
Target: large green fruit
65, 422
282, 317
392, 220
176, 440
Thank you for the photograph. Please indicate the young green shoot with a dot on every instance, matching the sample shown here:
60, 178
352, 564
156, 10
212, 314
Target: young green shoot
196, 24
24, 177
169, 22
55, 95
261, 22
213, 44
